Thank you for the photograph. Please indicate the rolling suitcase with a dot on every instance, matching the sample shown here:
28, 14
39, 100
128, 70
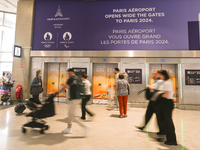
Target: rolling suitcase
19, 108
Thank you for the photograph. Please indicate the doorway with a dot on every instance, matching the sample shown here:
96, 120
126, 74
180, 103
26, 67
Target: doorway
55, 75
172, 70
103, 81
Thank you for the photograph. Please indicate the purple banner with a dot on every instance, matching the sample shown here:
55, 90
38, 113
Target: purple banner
116, 25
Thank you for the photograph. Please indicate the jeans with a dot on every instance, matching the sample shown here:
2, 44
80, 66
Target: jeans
84, 109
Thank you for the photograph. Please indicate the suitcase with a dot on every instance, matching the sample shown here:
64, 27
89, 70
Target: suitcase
19, 108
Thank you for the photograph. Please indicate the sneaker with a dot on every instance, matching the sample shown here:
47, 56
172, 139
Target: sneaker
86, 129
67, 131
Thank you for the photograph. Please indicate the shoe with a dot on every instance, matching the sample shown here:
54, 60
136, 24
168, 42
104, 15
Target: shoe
141, 128
83, 118
170, 143
160, 133
67, 131
120, 116
86, 129
125, 116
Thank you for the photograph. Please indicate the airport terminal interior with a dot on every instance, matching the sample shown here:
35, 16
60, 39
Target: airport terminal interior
101, 41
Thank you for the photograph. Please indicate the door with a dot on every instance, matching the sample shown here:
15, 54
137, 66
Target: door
173, 73
103, 81
56, 76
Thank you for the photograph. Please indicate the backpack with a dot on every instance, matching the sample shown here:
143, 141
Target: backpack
80, 88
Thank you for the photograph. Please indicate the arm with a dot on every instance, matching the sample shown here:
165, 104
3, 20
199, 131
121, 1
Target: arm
64, 86
34, 82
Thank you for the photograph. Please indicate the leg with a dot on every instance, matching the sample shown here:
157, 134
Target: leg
170, 130
160, 117
36, 99
125, 104
149, 112
120, 99
117, 103
88, 98
84, 101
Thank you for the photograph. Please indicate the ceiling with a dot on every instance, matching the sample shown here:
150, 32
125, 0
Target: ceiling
8, 6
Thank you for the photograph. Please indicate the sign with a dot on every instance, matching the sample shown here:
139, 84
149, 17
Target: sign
17, 51
20, 66
79, 71
116, 25
192, 77
134, 76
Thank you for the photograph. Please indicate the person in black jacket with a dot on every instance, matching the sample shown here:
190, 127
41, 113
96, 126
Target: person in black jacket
37, 81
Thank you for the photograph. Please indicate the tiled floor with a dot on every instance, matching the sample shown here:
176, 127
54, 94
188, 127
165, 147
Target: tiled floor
107, 131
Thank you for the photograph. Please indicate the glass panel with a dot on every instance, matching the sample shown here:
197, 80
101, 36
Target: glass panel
53, 75
1, 18
7, 39
10, 20
6, 57
7, 67
63, 78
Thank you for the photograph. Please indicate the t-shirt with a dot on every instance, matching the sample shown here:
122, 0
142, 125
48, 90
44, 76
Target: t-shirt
87, 87
117, 77
157, 84
72, 88
167, 86
122, 87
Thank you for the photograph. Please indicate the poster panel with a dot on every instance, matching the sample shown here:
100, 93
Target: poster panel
134, 76
192, 77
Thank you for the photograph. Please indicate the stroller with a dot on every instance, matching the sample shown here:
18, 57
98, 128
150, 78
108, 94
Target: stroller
38, 113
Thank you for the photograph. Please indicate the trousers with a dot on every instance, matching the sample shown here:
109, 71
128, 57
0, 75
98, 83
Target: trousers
123, 104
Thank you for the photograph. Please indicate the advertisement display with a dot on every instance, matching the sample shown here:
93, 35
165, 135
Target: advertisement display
103, 81
116, 25
57, 76
192, 77
134, 76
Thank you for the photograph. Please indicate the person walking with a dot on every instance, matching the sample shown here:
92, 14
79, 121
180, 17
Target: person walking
73, 102
167, 107
88, 93
122, 95
154, 107
36, 83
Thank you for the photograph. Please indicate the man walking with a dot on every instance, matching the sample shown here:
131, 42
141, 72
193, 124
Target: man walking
73, 102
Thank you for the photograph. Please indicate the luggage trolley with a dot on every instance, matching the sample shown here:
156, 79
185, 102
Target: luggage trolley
5, 92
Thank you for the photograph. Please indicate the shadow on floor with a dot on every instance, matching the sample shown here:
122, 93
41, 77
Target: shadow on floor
34, 137
161, 139
114, 115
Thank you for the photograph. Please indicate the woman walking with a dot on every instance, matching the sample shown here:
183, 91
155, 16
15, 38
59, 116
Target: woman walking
167, 105
36, 87
122, 95
87, 96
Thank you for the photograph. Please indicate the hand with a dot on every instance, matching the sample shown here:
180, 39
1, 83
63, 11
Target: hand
39, 83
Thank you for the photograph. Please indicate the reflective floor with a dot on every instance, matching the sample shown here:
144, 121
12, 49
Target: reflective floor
108, 132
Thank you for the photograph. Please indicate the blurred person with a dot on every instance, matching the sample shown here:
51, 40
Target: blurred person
88, 93
153, 107
122, 95
73, 102
167, 106
4, 78
116, 72
37, 82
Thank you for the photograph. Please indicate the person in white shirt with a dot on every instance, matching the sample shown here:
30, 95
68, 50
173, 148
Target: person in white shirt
88, 94
167, 106
4, 78
153, 107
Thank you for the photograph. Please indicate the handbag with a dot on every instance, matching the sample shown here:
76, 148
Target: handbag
35, 90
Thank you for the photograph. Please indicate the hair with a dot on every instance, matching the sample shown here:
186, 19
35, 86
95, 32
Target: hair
70, 70
37, 73
121, 76
84, 75
4, 73
116, 69
164, 73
